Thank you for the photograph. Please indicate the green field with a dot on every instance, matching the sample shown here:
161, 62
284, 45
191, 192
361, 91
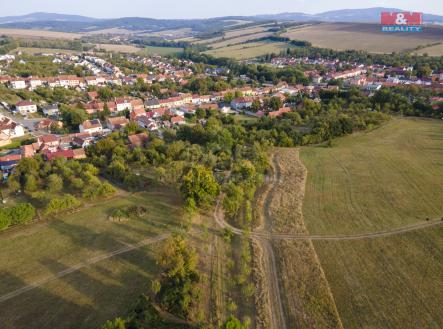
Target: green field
88, 297
248, 50
162, 51
380, 180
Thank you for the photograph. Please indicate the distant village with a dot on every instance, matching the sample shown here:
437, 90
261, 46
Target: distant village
154, 114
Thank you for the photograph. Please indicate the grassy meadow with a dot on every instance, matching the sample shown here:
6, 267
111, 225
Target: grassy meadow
248, 50
162, 51
384, 179
88, 297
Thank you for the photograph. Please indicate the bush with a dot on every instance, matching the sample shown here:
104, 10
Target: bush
19, 214
65, 202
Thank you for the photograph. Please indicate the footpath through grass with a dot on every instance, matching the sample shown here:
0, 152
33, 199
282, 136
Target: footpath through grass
92, 295
384, 179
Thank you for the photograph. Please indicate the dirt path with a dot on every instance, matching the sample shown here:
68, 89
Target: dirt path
82, 265
359, 236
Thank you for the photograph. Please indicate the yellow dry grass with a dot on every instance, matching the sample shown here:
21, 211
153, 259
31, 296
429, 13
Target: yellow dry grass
118, 48
436, 50
248, 50
307, 300
39, 34
367, 37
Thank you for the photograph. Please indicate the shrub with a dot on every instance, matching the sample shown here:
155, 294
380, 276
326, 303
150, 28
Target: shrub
65, 202
19, 214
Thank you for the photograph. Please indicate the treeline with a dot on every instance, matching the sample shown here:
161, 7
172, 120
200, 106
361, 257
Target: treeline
57, 185
56, 44
277, 38
7, 44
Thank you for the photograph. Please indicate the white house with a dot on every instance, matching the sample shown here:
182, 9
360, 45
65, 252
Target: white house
34, 83
10, 128
91, 126
18, 84
123, 104
50, 110
26, 107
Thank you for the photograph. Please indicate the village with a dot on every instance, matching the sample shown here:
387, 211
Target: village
42, 123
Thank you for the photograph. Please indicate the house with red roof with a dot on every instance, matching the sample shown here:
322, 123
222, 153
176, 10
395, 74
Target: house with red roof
26, 107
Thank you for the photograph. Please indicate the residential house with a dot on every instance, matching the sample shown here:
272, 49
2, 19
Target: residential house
242, 103
26, 107
123, 104
10, 128
48, 124
178, 120
117, 123
51, 110
135, 113
91, 126
147, 123
18, 84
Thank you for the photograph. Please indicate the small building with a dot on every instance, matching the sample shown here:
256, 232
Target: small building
91, 126
18, 84
242, 103
51, 110
26, 107
117, 123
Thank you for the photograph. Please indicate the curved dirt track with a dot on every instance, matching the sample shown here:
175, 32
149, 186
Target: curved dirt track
344, 237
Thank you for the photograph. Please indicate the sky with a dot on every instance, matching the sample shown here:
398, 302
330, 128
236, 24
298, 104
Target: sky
202, 8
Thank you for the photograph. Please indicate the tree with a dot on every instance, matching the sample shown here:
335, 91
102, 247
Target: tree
30, 183
198, 186
256, 105
233, 323
105, 94
117, 323
54, 183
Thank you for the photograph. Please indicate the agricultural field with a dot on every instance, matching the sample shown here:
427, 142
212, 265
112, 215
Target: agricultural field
162, 51
385, 179
435, 50
33, 51
238, 40
248, 50
38, 34
67, 258
118, 48
306, 299
247, 32
359, 36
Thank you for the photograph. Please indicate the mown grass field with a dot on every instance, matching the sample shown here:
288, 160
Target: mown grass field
367, 37
88, 297
162, 51
248, 50
380, 180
